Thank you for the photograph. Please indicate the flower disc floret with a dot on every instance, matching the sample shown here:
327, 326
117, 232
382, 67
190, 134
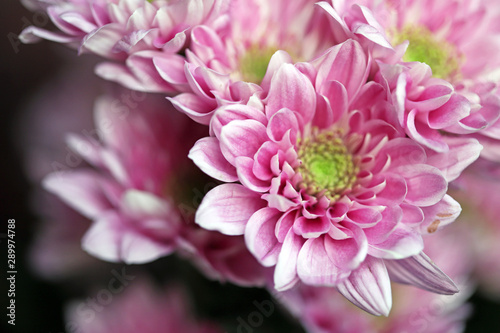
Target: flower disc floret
327, 167
441, 56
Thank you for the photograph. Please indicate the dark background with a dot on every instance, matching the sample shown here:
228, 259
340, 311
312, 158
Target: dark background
39, 304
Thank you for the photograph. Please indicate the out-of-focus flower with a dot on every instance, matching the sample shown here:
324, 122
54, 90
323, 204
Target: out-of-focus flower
322, 310
329, 188
137, 191
477, 190
457, 40
140, 308
134, 33
124, 193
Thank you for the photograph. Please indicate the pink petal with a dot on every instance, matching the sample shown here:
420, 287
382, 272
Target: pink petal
260, 238
103, 40
197, 108
227, 208
403, 242
365, 217
394, 192
412, 215
281, 122
462, 152
439, 215
226, 114
140, 204
244, 169
206, 154
293, 90
311, 228
391, 216
347, 64
456, 108
423, 134
420, 271
285, 273
426, 185
171, 68
80, 190
102, 238
33, 34
242, 138
139, 249
369, 287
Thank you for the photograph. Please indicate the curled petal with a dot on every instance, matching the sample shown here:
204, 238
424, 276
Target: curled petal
227, 208
206, 154
260, 238
242, 138
403, 242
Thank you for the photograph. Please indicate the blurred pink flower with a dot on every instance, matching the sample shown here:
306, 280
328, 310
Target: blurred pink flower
140, 308
329, 189
477, 190
137, 192
134, 33
322, 310
459, 47
124, 193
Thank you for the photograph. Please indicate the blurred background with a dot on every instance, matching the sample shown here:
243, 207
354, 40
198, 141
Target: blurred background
41, 302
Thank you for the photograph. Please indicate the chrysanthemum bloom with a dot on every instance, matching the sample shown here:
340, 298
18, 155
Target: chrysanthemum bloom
136, 34
124, 193
477, 190
328, 190
457, 40
225, 63
140, 308
322, 310
141, 193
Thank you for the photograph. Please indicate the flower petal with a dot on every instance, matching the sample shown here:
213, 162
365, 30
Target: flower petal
369, 287
242, 138
421, 272
227, 208
260, 238
291, 89
285, 274
206, 154
403, 242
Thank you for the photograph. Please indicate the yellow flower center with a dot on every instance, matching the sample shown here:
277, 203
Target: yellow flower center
253, 65
441, 56
327, 166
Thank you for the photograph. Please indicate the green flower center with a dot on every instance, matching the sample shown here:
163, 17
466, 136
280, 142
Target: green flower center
440, 55
327, 166
253, 65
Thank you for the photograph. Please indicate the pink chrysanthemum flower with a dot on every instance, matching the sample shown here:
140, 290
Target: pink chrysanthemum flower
322, 310
477, 190
457, 40
135, 33
328, 189
226, 64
